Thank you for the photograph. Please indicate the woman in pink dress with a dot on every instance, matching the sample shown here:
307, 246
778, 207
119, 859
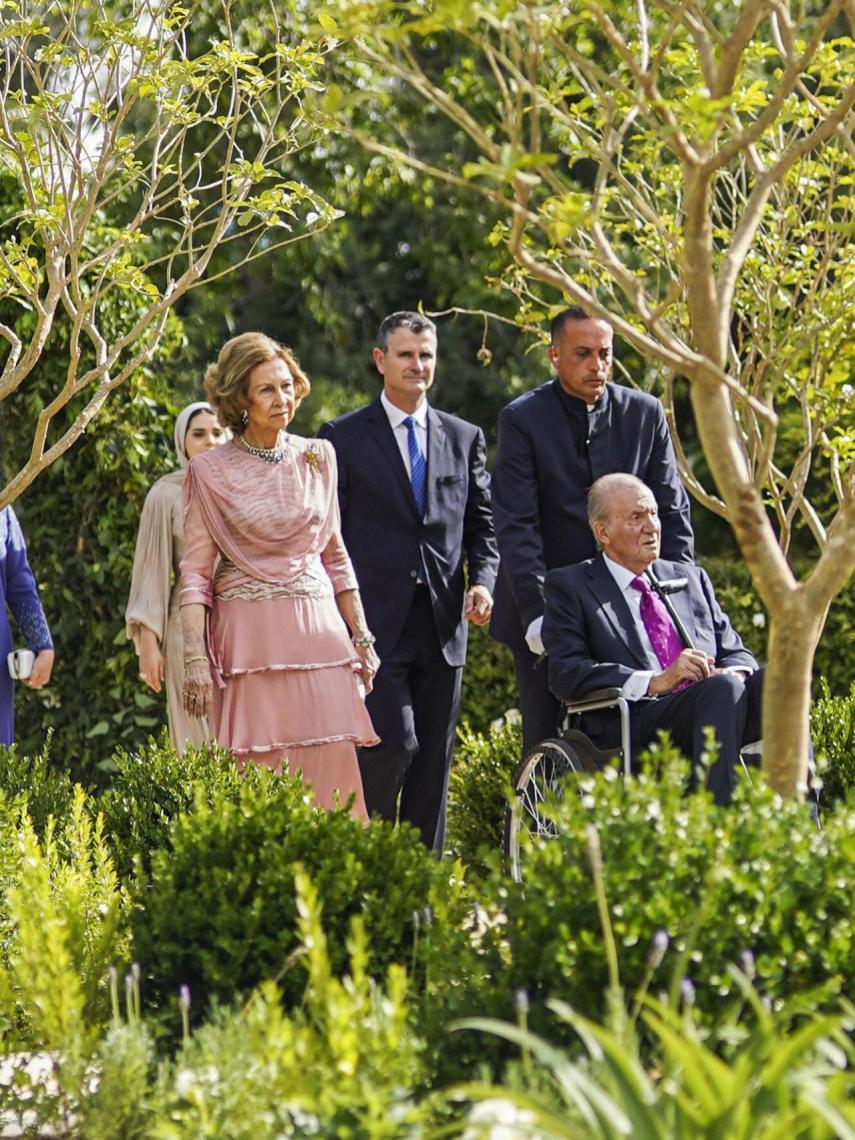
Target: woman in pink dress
267, 590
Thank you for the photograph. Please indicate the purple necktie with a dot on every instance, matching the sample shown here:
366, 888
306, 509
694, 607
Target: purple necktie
657, 621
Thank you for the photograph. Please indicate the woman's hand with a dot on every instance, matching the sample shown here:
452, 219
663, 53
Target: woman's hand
198, 688
41, 672
369, 663
151, 660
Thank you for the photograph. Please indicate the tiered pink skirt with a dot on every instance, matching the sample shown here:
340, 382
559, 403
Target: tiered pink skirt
290, 699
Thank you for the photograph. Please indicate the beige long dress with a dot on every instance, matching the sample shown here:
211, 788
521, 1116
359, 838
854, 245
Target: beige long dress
153, 600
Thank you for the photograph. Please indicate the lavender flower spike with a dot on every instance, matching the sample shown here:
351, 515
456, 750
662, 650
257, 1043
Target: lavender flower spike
657, 949
748, 967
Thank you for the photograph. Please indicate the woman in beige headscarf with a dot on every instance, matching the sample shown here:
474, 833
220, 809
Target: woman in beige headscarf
153, 617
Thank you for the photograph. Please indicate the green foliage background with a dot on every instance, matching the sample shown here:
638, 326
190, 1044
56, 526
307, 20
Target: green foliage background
80, 519
402, 242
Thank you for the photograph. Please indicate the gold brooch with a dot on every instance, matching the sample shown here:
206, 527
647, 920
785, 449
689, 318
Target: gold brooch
312, 455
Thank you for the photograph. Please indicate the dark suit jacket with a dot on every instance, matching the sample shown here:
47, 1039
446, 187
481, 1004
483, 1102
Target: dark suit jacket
592, 640
384, 534
548, 456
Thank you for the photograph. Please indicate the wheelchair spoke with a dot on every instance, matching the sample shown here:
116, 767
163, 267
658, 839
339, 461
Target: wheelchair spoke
539, 782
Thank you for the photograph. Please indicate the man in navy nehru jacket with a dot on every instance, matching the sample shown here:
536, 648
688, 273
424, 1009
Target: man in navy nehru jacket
554, 442
416, 520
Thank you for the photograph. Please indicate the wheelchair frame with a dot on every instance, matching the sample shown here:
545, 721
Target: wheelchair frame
541, 772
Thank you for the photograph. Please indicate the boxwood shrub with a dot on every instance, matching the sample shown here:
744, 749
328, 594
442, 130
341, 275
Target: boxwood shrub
757, 878
152, 786
217, 910
48, 790
832, 723
478, 789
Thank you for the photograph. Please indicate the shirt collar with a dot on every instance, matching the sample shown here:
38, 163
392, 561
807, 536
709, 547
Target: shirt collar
577, 407
396, 416
621, 575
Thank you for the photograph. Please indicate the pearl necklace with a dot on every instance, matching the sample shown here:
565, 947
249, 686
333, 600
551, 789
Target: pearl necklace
268, 454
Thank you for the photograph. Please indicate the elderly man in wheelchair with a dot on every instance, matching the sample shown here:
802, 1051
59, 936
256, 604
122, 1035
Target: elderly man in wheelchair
628, 630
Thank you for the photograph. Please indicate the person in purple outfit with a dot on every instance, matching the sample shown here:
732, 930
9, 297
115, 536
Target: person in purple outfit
20, 595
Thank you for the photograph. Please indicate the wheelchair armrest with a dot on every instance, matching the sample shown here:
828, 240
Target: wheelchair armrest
605, 699
599, 698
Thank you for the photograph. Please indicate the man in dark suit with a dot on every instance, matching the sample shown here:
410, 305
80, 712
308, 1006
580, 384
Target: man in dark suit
553, 443
416, 520
604, 627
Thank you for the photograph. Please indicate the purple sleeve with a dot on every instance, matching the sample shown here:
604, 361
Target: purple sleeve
22, 593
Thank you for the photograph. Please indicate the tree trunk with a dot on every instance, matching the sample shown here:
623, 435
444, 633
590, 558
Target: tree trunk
793, 637
794, 629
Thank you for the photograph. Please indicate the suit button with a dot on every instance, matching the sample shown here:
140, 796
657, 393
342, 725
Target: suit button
414, 573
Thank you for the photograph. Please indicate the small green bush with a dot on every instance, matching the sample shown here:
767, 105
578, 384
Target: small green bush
346, 1064
151, 787
478, 789
489, 684
832, 722
48, 790
63, 923
757, 877
218, 911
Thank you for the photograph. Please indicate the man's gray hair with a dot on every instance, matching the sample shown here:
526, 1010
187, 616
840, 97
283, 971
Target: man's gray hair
405, 319
599, 495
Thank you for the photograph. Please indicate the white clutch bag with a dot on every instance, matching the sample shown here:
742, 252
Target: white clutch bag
20, 663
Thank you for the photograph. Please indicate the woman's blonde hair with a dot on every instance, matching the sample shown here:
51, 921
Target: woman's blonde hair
227, 381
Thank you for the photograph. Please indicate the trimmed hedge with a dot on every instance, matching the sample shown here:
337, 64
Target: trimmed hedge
832, 723
47, 789
756, 877
218, 912
478, 790
151, 787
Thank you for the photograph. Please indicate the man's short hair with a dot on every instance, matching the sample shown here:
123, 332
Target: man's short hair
598, 495
572, 313
405, 319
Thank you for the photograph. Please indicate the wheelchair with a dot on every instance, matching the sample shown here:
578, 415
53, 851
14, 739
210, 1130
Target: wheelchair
542, 774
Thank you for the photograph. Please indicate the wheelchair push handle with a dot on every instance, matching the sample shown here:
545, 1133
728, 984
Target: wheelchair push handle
664, 587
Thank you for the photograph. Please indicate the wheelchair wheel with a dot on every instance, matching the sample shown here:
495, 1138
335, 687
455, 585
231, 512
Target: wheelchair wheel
541, 776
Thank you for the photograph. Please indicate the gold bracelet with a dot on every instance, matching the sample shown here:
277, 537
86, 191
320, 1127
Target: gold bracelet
190, 660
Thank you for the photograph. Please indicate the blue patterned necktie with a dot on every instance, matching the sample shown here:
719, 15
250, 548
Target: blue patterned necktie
418, 467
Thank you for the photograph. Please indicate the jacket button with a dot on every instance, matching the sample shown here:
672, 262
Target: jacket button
414, 573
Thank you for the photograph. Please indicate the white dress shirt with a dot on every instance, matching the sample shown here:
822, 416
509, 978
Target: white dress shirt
399, 429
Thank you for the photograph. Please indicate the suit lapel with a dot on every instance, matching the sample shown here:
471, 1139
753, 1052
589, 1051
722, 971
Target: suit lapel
437, 441
614, 607
386, 442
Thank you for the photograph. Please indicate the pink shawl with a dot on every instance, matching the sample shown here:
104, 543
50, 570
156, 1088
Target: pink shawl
269, 519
